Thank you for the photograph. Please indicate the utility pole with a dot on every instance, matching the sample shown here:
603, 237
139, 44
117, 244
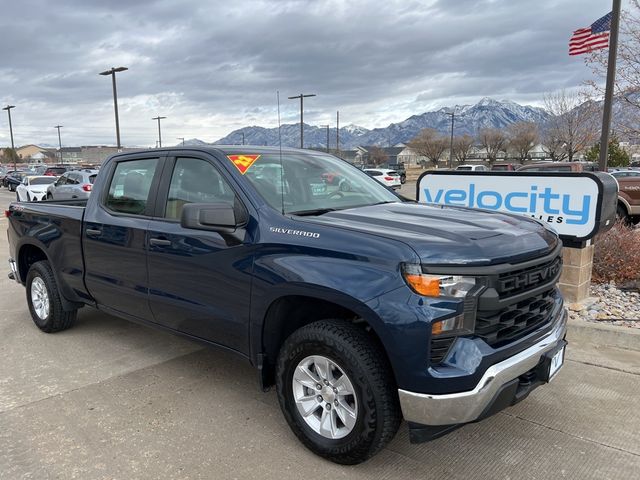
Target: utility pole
113, 72
13, 148
327, 127
302, 97
453, 119
59, 142
158, 118
242, 137
338, 132
611, 78
181, 138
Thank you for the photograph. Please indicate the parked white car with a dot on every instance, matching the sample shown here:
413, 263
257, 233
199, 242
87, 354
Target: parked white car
473, 168
388, 178
34, 188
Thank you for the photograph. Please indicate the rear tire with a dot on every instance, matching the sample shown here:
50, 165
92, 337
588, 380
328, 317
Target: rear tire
373, 407
621, 215
43, 298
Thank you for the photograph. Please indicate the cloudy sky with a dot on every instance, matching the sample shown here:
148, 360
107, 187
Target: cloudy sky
213, 66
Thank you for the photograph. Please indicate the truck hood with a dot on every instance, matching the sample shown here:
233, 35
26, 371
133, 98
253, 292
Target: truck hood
449, 235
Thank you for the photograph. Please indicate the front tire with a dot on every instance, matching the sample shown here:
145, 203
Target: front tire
337, 392
43, 298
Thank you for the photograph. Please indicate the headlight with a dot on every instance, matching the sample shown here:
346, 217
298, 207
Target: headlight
452, 287
437, 285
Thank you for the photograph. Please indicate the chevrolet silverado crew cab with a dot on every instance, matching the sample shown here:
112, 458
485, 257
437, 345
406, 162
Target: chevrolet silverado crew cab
360, 307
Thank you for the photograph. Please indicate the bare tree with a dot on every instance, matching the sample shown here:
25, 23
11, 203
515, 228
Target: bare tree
377, 156
494, 141
553, 146
627, 87
572, 123
462, 147
523, 136
429, 143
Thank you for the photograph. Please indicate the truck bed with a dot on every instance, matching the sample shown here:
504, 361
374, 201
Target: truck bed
56, 226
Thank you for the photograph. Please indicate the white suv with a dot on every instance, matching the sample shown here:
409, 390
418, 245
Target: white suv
473, 168
388, 178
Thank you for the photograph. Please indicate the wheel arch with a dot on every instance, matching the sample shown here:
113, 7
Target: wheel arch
288, 313
625, 203
28, 254
32, 252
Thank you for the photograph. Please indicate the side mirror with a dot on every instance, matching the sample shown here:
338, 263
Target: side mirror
217, 217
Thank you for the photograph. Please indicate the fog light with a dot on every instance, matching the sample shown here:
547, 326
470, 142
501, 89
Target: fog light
449, 326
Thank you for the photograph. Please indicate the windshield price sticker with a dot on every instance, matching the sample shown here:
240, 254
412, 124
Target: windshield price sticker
243, 162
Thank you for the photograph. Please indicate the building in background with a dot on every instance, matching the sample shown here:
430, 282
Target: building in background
26, 152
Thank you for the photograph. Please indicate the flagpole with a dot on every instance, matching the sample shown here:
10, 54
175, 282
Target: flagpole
611, 78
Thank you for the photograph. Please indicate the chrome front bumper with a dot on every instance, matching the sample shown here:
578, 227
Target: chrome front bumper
464, 407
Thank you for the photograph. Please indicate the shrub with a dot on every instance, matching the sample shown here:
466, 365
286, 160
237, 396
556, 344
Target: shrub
617, 256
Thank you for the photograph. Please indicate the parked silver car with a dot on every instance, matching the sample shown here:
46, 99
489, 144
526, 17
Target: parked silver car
72, 184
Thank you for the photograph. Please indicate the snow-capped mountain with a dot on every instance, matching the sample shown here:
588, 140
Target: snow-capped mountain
468, 119
191, 142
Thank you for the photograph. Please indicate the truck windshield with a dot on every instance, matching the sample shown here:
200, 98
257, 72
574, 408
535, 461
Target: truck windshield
308, 184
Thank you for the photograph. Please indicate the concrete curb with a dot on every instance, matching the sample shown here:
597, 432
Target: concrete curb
603, 335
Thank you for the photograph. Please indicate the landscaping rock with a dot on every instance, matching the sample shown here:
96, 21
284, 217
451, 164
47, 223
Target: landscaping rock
609, 304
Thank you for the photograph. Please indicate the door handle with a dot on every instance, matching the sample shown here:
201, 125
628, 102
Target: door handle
160, 242
92, 232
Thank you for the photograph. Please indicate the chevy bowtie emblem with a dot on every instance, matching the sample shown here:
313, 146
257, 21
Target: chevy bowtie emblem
243, 162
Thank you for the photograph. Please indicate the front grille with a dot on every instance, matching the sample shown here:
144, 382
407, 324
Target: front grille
516, 320
518, 281
439, 348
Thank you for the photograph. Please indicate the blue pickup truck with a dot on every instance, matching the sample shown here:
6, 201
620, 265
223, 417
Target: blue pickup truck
360, 306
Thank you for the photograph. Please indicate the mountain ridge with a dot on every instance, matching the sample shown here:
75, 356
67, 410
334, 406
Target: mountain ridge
486, 113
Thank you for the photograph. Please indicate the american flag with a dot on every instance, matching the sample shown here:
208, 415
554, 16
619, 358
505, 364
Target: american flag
595, 37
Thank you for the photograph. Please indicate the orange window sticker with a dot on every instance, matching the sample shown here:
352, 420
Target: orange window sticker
243, 162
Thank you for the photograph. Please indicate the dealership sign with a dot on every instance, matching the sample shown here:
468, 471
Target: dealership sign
576, 205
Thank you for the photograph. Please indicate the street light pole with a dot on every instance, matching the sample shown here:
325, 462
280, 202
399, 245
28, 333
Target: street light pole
181, 138
453, 118
158, 118
13, 148
302, 97
112, 72
338, 132
242, 133
59, 142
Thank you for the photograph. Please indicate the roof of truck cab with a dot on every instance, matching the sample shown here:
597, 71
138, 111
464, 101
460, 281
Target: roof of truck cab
227, 149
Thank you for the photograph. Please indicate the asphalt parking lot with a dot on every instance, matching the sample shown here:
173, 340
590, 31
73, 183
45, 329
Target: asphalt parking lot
113, 400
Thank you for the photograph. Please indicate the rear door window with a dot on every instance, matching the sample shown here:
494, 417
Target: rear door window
196, 181
130, 186
73, 179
